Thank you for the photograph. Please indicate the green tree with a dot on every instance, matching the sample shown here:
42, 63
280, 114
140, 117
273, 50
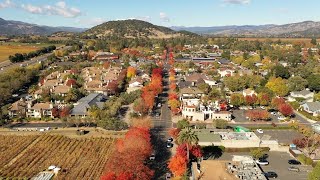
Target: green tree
220, 123
315, 173
297, 83
226, 54
188, 137
183, 124
313, 41
280, 71
257, 153
314, 82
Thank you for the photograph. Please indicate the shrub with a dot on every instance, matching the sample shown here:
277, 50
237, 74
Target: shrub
305, 160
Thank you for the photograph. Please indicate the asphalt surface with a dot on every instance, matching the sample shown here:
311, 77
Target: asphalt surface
160, 135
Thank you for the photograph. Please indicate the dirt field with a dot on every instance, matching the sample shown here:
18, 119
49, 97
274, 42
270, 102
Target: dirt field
7, 49
24, 154
213, 170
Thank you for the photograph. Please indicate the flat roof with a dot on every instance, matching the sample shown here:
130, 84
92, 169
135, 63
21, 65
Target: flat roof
208, 137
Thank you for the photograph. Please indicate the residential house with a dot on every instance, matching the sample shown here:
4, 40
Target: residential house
135, 84
18, 109
248, 92
306, 95
191, 93
312, 108
82, 107
39, 110
102, 56
224, 61
197, 78
225, 72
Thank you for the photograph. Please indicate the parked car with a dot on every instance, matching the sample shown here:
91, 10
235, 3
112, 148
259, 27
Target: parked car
271, 174
260, 131
157, 114
159, 104
170, 139
262, 107
263, 162
292, 168
168, 176
169, 145
281, 118
294, 162
15, 95
152, 157
273, 113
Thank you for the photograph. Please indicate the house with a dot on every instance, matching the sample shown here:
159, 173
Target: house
82, 107
61, 90
224, 61
304, 94
197, 78
190, 93
39, 110
203, 113
312, 108
225, 72
18, 109
248, 92
101, 56
135, 84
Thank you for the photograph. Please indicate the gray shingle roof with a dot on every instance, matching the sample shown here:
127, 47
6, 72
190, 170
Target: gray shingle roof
93, 99
313, 106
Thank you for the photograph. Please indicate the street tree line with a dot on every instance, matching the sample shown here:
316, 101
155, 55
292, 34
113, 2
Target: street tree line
18, 57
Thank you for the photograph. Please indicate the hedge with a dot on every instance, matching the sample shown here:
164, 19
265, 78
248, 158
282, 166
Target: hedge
246, 149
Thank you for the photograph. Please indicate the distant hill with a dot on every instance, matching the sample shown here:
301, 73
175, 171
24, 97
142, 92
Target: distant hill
8, 27
300, 29
134, 29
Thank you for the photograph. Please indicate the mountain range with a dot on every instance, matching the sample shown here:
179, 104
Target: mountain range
137, 28
8, 27
300, 29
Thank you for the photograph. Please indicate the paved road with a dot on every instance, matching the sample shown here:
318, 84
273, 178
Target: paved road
161, 125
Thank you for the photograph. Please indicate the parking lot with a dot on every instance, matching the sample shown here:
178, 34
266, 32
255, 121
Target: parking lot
240, 116
278, 162
283, 136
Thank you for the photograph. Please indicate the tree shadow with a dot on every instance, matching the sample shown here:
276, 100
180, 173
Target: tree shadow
212, 152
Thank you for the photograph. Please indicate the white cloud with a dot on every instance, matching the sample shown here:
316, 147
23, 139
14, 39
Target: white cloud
142, 18
59, 9
164, 17
237, 1
91, 22
6, 4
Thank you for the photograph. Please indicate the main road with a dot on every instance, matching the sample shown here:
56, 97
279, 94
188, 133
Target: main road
161, 125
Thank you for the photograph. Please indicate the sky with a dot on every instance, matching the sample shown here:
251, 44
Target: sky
88, 13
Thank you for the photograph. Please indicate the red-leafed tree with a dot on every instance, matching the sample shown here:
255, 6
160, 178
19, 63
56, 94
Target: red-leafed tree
258, 115
196, 151
300, 142
55, 112
251, 100
64, 112
286, 109
174, 132
172, 86
276, 102
71, 82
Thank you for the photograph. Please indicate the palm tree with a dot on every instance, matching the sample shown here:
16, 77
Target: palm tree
189, 137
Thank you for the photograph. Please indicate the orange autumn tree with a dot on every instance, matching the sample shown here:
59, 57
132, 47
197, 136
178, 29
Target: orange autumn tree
177, 165
131, 72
